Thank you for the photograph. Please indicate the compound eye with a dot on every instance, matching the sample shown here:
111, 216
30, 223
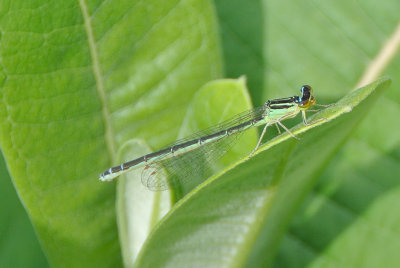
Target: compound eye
306, 88
305, 93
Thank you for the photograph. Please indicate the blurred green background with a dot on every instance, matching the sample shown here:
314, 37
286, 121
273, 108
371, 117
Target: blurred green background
19, 244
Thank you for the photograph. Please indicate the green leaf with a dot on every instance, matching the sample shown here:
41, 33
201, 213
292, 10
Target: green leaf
242, 30
79, 79
333, 46
237, 216
140, 209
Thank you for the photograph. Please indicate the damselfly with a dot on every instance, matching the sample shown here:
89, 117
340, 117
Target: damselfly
272, 112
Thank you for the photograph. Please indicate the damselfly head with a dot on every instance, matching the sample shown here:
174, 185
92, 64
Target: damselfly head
306, 91
306, 100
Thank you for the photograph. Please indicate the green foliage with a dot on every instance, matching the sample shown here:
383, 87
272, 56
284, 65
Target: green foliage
81, 79
239, 214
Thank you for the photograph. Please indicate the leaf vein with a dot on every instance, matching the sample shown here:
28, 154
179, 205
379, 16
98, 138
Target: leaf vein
99, 81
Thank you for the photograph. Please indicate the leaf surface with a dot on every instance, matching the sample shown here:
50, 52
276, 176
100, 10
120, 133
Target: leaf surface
238, 215
333, 46
79, 79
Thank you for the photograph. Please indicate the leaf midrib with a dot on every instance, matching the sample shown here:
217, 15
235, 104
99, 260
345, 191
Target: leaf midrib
109, 133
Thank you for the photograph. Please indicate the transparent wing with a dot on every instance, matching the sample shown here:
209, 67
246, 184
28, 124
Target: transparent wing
191, 168
236, 120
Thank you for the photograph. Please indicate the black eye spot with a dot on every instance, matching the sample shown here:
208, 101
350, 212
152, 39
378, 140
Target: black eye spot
305, 88
306, 92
